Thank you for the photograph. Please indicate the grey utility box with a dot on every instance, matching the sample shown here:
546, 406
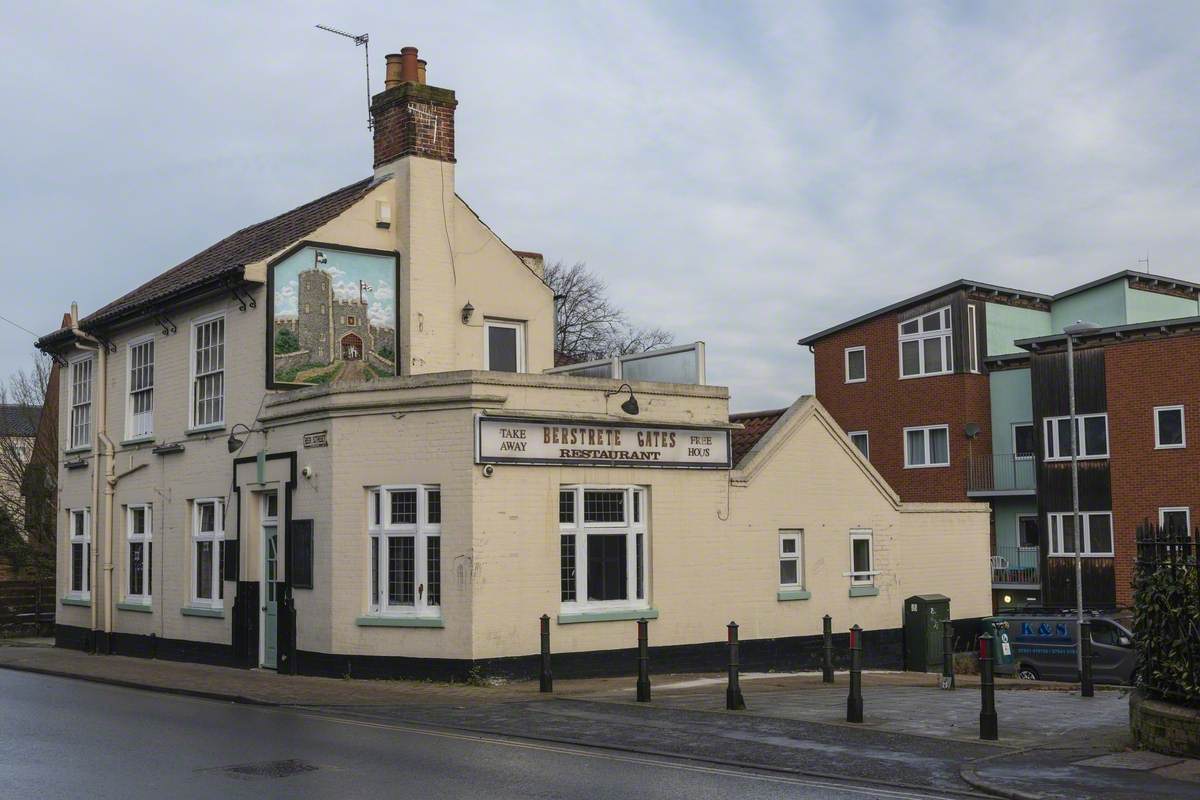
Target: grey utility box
925, 615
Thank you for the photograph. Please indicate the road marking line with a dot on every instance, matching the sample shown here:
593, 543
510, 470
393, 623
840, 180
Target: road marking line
629, 759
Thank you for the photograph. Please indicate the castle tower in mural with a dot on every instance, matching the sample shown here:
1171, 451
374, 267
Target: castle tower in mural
330, 336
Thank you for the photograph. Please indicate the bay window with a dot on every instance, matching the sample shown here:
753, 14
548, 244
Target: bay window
208, 552
925, 345
405, 526
602, 539
139, 568
80, 522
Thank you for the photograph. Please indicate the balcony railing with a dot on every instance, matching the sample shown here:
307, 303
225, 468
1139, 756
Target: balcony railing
1012, 566
1002, 473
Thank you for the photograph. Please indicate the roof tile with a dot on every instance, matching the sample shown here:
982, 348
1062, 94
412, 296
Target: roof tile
756, 423
246, 246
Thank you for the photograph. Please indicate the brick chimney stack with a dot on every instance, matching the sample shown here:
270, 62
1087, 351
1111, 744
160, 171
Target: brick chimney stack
411, 117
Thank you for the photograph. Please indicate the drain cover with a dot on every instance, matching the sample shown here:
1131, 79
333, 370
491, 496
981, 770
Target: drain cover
267, 769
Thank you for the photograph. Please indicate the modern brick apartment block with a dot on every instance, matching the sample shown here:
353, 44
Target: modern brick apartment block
1006, 383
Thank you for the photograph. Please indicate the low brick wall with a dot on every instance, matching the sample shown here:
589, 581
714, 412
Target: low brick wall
1164, 727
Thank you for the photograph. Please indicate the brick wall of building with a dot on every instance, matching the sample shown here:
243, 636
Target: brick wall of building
885, 405
1140, 375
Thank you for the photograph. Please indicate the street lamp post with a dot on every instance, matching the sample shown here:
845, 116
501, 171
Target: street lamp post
1079, 327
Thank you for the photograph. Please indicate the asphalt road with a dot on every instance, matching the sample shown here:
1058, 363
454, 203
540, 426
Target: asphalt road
61, 738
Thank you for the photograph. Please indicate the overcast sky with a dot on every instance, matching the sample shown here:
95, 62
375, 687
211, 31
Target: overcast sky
739, 173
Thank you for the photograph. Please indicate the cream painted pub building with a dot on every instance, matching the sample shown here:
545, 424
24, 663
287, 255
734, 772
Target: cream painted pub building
334, 443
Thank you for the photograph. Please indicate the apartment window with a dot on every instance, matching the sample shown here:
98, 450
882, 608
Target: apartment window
1168, 428
208, 372
406, 550
81, 402
80, 520
862, 557
140, 421
856, 364
1097, 539
791, 559
602, 541
861, 440
925, 345
927, 447
1027, 531
208, 552
1022, 439
140, 559
972, 340
1175, 520
1092, 433
504, 343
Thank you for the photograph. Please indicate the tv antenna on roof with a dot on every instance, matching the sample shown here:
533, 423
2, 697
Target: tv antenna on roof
359, 40
1146, 261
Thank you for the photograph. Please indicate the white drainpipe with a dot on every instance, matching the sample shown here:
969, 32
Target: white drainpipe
100, 384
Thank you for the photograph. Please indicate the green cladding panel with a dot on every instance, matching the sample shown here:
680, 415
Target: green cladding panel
1012, 401
1143, 306
1006, 324
1103, 305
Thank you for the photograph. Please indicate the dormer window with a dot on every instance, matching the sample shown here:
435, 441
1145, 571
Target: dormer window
925, 345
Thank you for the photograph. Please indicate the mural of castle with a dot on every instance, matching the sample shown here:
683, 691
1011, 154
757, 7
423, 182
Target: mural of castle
332, 330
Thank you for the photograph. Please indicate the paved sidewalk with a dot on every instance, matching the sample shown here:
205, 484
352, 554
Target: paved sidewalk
1026, 718
1053, 743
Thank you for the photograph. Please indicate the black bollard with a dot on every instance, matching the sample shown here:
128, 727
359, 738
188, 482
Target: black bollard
547, 677
854, 701
1086, 688
733, 694
947, 655
987, 687
827, 663
643, 680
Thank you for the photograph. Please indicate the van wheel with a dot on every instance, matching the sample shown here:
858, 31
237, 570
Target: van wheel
1027, 673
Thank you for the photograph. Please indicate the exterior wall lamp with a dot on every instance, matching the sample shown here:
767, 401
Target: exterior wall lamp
235, 444
467, 311
630, 406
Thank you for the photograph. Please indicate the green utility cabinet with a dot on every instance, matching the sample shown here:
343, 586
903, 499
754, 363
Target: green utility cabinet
925, 616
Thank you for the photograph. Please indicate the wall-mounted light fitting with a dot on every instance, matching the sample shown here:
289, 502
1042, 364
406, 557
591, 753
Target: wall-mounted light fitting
467, 311
630, 406
233, 443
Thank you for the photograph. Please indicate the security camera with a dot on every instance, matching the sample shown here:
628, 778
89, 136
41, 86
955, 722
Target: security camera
488, 470
308, 471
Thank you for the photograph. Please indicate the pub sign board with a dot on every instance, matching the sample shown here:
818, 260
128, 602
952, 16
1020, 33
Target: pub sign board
501, 440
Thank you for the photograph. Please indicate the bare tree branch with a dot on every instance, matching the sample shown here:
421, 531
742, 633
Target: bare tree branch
588, 326
28, 474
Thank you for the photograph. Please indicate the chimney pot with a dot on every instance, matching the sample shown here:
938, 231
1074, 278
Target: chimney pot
409, 67
421, 64
391, 77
